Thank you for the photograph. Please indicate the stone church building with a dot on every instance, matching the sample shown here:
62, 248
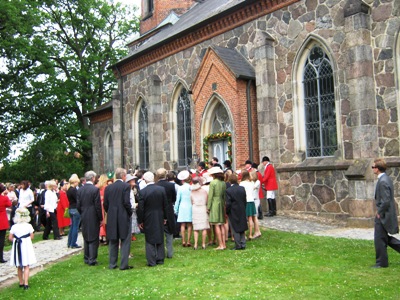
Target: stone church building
313, 84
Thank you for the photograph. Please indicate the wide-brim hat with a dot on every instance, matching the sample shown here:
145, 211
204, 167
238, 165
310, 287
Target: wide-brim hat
195, 187
183, 175
215, 170
130, 177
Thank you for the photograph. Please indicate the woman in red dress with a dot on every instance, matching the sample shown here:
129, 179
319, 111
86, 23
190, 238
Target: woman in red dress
61, 206
102, 183
4, 203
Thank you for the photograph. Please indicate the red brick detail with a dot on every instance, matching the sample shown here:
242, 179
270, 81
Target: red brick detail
234, 92
101, 117
162, 8
235, 19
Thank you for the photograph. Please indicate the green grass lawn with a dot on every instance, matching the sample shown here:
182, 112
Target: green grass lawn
280, 265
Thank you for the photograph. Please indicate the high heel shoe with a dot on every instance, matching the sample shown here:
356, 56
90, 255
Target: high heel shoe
203, 247
194, 248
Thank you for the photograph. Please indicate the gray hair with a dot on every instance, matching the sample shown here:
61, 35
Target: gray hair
90, 175
119, 173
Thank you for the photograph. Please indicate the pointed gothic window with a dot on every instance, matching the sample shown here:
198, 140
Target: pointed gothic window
319, 105
109, 153
184, 129
143, 137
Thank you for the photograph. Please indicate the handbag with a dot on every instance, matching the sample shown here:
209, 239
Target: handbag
66, 213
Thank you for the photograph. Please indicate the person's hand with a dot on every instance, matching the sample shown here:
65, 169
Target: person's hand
165, 221
378, 216
141, 226
47, 215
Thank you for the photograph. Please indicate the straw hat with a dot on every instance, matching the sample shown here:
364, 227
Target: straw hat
183, 175
215, 170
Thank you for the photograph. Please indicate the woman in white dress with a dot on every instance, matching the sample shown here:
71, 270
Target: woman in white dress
22, 254
199, 198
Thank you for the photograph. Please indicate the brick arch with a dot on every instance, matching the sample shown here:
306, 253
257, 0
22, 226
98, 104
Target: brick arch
215, 78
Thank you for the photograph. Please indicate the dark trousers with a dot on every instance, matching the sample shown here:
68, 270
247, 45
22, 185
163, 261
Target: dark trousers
240, 239
2, 240
382, 240
90, 251
155, 254
125, 250
51, 222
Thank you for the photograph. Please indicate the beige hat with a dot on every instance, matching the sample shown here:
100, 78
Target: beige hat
195, 187
148, 177
183, 175
129, 177
215, 170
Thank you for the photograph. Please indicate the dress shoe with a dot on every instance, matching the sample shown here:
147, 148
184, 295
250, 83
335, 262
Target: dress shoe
76, 247
234, 248
112, 268
127, 268
378, 267
93, 264
26, 287
2, 261
58, 238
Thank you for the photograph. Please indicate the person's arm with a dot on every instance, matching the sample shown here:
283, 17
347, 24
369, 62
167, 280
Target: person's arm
385, 198
11, 237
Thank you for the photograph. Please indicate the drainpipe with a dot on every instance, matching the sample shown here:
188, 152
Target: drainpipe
249, 120
121, 100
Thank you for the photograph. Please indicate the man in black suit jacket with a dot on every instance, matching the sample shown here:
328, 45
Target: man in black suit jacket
169, 227
152, 215
386, 216
119, 211
89, 206
236, 211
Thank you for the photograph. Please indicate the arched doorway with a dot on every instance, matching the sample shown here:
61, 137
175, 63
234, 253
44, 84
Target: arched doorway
217, 132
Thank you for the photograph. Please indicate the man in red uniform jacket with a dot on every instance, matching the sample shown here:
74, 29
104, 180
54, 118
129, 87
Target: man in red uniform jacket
270, 185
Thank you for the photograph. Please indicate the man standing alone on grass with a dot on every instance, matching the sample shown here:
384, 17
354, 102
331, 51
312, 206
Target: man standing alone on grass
386, 216
119, 211
152, 215
89, 207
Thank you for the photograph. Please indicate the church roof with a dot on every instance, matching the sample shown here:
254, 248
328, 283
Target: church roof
106, 106
235, 62
200, 14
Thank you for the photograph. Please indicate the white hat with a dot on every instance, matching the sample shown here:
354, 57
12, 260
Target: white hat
207, 178
183, 175
195, 187
129, 177
148, 177
215, 170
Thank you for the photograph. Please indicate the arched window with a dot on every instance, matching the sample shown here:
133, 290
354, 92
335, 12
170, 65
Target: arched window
143, 137
319, 105
109, 153
184, 128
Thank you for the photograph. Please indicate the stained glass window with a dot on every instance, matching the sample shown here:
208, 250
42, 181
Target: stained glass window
184, 127
143, 137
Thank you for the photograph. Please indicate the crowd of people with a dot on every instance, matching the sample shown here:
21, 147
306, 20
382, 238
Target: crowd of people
214, 204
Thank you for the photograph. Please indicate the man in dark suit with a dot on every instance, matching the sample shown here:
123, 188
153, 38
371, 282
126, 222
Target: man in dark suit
89, 206
236, 211
169, 227
386, 215
152, 215
119, 211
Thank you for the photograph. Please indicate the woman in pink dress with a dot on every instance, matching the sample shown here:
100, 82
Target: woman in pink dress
62, 205
102, 183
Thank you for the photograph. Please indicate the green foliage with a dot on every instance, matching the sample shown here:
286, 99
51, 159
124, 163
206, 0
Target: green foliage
279, 265
45, 159
55, 67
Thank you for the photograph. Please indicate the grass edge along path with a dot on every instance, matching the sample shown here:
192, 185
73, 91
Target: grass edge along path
280, 265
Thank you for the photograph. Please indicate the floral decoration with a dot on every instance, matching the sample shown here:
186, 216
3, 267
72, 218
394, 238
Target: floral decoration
216, 136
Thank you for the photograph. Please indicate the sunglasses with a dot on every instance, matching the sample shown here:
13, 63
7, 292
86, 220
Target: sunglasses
373, 167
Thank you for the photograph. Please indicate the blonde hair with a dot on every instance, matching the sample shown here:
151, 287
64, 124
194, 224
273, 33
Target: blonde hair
74, 179
22, 215
253, 176
102, 181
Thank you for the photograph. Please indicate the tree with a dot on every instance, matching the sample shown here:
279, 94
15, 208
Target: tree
44, 160
55, 69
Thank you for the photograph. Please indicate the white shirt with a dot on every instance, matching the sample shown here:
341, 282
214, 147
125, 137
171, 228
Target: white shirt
142, 184
249, 187
25, 198
50, 201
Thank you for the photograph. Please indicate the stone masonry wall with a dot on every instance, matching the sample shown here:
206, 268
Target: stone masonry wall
362, 51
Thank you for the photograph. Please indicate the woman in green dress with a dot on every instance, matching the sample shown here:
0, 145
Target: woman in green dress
216, 205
